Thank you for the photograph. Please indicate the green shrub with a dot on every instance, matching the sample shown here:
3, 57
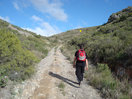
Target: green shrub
130, 14
108, 80
37, 44
15, 60
3, 78
122, 18
110, 87
3, 24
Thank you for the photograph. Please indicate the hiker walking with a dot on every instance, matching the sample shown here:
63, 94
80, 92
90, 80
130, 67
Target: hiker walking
80, 63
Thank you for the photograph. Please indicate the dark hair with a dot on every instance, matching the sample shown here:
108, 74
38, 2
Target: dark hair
81, 46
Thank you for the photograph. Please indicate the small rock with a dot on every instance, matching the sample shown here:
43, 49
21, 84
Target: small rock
73, 96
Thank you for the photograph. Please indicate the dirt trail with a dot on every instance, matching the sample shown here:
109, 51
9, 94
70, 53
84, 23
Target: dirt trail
56, 80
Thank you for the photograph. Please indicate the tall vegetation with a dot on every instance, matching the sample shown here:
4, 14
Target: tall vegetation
36, 44
19, 51
16, 63
110, 88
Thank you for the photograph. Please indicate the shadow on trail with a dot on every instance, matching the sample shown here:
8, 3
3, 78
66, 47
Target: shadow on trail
68, 81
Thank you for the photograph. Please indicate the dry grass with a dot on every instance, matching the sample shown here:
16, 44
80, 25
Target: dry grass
62, 87
111, 88
68, 53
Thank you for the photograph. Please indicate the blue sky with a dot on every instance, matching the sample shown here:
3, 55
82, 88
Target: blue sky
48, 17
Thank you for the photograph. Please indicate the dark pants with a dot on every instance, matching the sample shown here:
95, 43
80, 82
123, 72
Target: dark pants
79, 72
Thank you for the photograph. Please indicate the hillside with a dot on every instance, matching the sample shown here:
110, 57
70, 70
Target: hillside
68, 35
125, 14
109, 48
29, 40
20, 50
109, 43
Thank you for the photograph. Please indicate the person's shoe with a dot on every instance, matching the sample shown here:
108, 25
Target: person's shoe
79, 83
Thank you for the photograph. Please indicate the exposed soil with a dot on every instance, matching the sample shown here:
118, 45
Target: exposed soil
55, 79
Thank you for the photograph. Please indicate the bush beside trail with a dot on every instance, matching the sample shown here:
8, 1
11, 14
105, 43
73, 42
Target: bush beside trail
16, 63
109, 86
36, 44
19, 52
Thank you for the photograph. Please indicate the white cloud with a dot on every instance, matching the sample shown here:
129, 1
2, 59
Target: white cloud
37, 30
52, 7
49, 28
5, 18
16, 5
20, 4
36, 18
45, 29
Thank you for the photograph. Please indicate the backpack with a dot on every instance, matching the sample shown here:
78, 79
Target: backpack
81, 55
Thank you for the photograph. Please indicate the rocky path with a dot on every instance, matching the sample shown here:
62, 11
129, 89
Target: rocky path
55, 79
